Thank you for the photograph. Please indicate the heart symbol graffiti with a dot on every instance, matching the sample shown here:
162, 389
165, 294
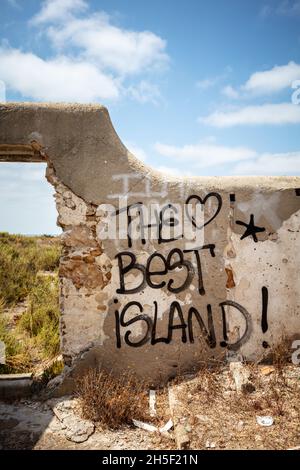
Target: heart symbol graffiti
201, 201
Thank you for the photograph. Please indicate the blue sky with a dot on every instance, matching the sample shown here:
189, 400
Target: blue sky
194, 87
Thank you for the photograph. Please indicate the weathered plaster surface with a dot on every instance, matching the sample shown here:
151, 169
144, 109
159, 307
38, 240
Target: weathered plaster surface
273, 263
88, 167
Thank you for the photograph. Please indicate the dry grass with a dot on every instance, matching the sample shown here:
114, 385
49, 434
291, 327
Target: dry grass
28, 272
112, 401
210, 386
219, 414
21, 258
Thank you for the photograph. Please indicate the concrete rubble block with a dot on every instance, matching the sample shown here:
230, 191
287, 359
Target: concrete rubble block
181, 436
15, 385
241, 376
181, 431
76, 429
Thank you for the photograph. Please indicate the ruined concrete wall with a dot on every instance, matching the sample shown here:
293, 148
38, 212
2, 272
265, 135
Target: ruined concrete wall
166, 299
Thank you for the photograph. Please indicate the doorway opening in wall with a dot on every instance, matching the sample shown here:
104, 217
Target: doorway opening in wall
30, 249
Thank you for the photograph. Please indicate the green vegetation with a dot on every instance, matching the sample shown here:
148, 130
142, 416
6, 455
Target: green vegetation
28, 273
17, 357
21, 258
41, 320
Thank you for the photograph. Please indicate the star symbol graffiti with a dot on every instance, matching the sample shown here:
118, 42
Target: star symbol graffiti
251, 228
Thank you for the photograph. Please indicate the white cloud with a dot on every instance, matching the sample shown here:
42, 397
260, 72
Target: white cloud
58, 10
59, 79
173, 171
242, 161
136, 150
284, 8
272, 114
2, 92
206, 83
29, 172
205, 155
266, 82
270, 164
92, 58
145, 92
273, 80
288, 8
124, 51
209, 82
230, 92
14, 4
265, 11
120, 50
25, 193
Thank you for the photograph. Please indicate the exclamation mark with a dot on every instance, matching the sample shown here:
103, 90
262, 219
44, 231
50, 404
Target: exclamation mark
264, 314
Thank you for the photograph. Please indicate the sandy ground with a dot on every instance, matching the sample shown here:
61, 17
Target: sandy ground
210, 410
224, 410
33, 425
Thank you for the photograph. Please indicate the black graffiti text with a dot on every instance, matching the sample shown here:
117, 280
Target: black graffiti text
176, 258
190, 326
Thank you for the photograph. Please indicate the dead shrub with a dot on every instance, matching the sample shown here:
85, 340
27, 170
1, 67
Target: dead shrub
112, 401
210, 383
279, 355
